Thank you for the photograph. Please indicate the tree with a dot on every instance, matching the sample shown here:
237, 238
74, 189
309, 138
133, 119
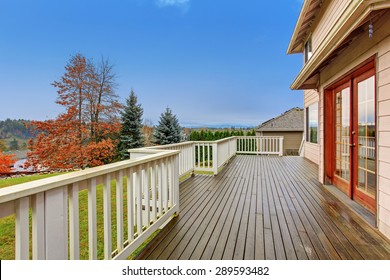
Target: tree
168, 130
14, 145
5, 162
85, 134
130, 134
3, 147
147, 131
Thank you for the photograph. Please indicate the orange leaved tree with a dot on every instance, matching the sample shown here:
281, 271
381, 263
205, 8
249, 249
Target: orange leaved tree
5, 162
85, 134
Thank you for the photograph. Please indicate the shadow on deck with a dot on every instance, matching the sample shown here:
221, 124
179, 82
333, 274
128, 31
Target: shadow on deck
262, 207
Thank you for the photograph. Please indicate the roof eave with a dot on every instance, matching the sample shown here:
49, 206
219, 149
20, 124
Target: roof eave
328, 46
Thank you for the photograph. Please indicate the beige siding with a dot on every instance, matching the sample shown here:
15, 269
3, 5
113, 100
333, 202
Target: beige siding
327, 20
360, 50
292, 139
311, 150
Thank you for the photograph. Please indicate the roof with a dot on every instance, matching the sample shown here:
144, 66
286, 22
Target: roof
309, 11
291, 120
350, 25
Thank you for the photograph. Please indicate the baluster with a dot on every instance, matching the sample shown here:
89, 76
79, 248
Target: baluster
119, 210
138, 188
22, 231
92, 229
147, 194
130, 205
38, 226
165, 185
198, 155
160, 188
208, 156
74, 223
154, 186
107, 216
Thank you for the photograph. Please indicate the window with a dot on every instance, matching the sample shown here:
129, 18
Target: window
308, 51
312, 123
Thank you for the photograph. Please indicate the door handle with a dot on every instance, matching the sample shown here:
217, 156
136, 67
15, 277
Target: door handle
352, 145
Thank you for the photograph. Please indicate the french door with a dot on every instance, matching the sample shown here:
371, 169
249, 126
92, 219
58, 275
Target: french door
353, 141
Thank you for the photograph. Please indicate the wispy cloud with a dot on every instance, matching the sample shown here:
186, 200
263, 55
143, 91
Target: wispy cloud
184, 5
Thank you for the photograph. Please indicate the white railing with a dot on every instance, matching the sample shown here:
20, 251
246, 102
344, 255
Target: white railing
142, 193
204, 155
186, 155
146, 197
260, 145
226, 149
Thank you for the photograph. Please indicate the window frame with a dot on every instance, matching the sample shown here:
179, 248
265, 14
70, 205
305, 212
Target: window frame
308, 127
308, 49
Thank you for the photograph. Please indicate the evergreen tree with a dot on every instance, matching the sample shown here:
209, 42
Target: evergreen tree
14, 145
168, 130
131, 130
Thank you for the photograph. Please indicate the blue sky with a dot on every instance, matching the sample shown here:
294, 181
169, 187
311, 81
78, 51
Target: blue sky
213, 62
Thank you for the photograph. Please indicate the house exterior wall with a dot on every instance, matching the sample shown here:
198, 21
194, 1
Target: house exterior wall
311, 150
332, 12
362, 49
292, 140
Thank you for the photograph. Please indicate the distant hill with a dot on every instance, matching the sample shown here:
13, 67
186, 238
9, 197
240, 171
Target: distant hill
15, 129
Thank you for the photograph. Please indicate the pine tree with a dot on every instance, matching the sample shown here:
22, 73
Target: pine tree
131, 132
168, 130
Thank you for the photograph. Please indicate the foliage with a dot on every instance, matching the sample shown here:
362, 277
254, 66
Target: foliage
15, 129
14, 145
83, 136
5, 162
209, 135
147, 132
168, 130
3, 147
131, 128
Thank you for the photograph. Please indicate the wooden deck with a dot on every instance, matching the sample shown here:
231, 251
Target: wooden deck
262, 207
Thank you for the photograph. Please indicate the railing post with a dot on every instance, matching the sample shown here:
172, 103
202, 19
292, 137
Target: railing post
281, 146
215, 158
56, 223
176, 183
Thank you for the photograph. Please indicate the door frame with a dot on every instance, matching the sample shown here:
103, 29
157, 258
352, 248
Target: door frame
369, 67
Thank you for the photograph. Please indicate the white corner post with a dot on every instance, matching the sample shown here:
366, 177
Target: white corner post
281, 146
215, 158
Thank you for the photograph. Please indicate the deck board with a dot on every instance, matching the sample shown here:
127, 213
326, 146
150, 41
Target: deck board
264, 207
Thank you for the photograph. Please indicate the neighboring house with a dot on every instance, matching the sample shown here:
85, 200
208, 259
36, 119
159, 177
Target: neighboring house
346, 83
290, 125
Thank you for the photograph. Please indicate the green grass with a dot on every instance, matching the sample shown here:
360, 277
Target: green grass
7, 224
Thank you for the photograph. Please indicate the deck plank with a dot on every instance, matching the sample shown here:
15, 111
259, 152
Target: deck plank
264, 207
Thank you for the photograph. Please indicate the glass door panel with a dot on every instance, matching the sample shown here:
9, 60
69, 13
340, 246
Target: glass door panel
366, 173
342, 123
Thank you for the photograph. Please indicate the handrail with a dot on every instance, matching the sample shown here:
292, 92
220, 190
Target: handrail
151, 181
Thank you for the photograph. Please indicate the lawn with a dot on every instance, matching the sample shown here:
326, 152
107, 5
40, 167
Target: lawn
7, 224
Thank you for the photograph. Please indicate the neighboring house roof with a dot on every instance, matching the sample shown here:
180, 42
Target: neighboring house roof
291, 120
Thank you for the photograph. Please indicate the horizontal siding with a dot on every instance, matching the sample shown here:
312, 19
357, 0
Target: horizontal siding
310, 97
330, 17
312, 152
384, 123
384, 184
383, 80
292, 140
